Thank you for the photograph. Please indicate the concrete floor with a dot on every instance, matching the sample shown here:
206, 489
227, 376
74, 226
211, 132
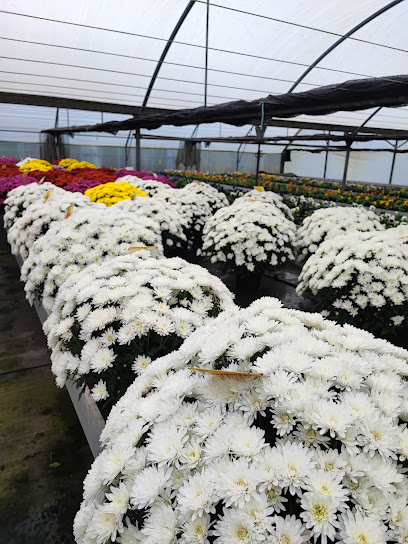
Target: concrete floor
44, 455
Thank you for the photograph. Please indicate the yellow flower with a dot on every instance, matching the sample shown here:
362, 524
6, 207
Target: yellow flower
65, 163
110, 193
36, 164
82, 164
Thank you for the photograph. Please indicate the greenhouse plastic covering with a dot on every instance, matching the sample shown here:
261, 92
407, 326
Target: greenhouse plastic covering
107, 52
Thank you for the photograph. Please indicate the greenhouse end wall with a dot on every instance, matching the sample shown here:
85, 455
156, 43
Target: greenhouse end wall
152, 158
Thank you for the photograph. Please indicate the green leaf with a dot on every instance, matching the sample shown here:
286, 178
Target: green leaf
55, 464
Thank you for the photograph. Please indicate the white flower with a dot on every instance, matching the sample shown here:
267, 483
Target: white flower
114, 460
160, 527
239, 483
247, 442
129, 535
165, 444
332, 417
102, 359
119, 500
197, 495
356, 528
99, 391
196, 531
319, 515
288, 530
191, 454
328, 483
140, 364
103, 526
148, 484
397, 319
297, 463
379, 435
234, 527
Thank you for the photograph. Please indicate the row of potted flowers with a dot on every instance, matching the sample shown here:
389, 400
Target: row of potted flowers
233, 425
252, 235
381, 197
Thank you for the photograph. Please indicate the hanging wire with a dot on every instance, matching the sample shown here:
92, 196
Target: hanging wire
127, 33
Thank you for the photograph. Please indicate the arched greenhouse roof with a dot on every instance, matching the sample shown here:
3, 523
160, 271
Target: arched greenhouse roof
107, 52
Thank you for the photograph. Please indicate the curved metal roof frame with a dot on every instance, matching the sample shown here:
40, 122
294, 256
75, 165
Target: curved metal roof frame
183, 17
340, 41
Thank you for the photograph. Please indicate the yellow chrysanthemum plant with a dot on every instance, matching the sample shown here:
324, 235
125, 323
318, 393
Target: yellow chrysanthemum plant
76, 164
111, 193
36, 164
68, 163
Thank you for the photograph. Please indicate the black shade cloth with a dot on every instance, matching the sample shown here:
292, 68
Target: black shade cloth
351, 95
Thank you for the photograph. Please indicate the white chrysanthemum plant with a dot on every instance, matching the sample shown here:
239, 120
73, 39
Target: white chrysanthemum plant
215, 198
248, 237
327, 223
267, 425
40, 215
400, 232
110, 321
20, 198
86, 237
172, 223
149, 186
267, 196
362, 279
193, 208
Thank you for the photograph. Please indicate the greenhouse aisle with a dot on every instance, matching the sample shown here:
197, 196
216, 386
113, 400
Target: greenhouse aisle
44, 455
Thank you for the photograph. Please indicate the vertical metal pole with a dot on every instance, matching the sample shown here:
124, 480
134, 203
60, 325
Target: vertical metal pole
258, 160
206, 53
394, 154
101, 116
346, 163
282, 162
56, 117
137, 137
326, 158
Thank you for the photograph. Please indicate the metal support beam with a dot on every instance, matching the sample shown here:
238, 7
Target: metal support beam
260, 132
346, 163
239, 153
137, 138
166, 50
74, 104
207, 26
326, 158
393, 163
258, 160
342, 39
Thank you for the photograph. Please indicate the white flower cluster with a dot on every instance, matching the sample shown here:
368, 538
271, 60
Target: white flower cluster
21, 197
149, 186
39, 216
311, 446
327, 223
172, 223
205, 192
361, 278
195, 211
392, 219
86, 237
250, 235
267, 196
110, 320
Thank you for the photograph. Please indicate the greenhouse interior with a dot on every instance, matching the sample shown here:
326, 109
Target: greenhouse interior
204, 272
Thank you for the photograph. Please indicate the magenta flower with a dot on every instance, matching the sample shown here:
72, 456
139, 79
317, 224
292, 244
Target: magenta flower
9, 183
